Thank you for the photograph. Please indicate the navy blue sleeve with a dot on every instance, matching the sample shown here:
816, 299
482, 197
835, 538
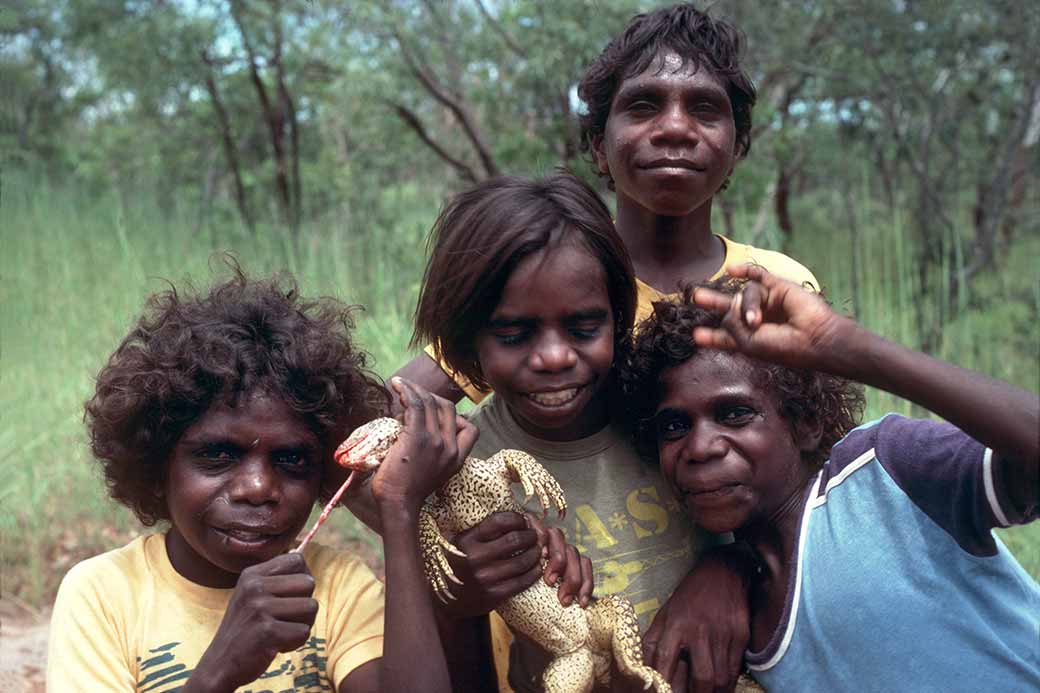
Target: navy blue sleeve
948, 475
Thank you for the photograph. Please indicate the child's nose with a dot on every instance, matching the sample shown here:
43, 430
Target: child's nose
255, 483
552, 353
674, 126
704, 444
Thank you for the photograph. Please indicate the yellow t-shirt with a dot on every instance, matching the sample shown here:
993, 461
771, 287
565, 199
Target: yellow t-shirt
736, 254
127, 621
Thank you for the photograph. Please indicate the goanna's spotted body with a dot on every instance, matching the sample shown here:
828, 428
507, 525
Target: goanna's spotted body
582, 640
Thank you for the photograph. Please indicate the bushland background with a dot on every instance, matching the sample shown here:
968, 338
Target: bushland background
895, 153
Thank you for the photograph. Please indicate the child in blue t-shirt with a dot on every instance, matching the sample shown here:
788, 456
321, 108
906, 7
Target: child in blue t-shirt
878, 566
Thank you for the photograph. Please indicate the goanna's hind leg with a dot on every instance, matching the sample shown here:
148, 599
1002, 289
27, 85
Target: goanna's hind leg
570, 673
614, 626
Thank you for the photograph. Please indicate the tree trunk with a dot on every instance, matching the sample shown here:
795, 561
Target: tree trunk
228, 142
273, 115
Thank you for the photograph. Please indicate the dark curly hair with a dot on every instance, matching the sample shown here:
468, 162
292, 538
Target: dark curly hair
485, 232
190, 351
700, 40
665, 340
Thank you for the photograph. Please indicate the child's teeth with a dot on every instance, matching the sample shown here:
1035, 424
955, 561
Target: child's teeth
554, 398
243, 535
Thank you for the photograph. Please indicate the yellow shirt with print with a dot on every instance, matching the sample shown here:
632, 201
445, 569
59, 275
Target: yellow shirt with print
127, 621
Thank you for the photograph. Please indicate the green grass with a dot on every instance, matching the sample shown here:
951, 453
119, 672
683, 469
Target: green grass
76, 268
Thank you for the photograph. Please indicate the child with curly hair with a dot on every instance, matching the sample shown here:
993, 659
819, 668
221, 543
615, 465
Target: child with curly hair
878, 569
218, 414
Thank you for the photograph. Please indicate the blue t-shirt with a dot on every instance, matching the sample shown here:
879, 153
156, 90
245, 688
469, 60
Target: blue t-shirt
900, 584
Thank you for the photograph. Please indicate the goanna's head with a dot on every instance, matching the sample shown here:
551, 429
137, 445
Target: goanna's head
366, 447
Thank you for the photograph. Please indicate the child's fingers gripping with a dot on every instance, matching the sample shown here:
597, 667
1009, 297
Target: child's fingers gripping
702, 663
424, 407
422, 418
282, 564
294, 609
752, 303
497, 537
466, 437
588, 582
714, 338
560, 567
667, 653
712, 300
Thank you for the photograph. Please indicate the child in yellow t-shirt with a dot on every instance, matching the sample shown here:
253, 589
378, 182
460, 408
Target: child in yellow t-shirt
218, 414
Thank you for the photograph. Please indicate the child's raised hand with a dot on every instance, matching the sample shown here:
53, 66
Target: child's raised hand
271, 611
430, 449
771, 319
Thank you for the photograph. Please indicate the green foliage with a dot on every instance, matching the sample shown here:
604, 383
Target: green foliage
77, 267
905, 133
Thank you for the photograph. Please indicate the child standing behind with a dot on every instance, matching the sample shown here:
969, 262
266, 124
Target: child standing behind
219, 414
529, 292
879, 568
668, 116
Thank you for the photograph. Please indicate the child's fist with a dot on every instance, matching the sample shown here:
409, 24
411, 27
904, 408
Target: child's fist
429, 451
271, 611
771, 319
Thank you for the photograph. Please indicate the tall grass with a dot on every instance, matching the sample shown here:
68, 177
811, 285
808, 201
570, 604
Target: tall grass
76, 268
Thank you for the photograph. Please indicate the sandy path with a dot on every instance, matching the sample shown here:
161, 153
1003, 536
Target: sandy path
23, 651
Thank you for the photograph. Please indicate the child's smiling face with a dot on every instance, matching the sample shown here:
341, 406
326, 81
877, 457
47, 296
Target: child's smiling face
670, 139
240, 485
549, 343
722, 443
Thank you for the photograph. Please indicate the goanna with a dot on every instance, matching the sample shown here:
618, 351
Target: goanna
582, 641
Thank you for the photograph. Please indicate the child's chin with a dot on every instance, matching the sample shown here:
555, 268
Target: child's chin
719, 523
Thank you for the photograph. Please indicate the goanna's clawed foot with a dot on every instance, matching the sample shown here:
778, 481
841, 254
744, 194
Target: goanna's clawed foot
652, 679
433, 546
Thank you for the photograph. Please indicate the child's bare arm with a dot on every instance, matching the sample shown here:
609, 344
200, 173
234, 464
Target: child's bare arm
776, 320
429, 451
427, 374
707, 617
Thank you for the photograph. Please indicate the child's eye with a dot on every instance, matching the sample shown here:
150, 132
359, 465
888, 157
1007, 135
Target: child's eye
705, 107
585, 330
672, 427
511, 337
216, 455
641, 107
735, 415
293, 461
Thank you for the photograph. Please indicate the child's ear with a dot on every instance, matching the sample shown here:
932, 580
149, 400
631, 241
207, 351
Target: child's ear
599, 155
807, 434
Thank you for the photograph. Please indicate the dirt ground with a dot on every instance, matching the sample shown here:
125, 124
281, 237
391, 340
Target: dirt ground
23, 649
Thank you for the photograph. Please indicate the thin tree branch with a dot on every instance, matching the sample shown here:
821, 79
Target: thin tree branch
501, 32
412, 120
458, 109
227, 139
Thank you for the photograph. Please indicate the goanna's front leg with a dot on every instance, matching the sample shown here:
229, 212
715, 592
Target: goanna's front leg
433, 545
536, 479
